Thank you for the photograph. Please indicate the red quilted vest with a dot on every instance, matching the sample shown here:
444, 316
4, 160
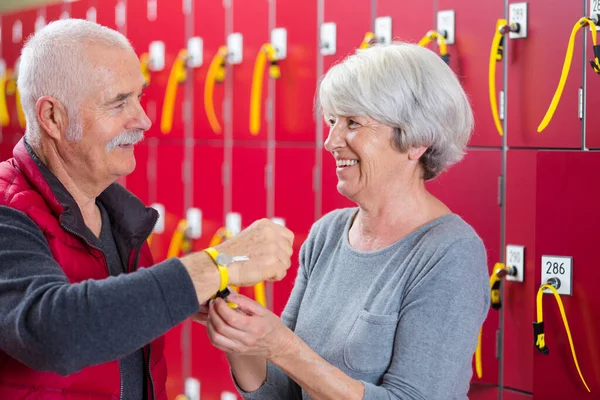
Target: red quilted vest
27, 185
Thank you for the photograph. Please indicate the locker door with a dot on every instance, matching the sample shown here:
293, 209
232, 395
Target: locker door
531, 86
209, 24
295, 90
149, 21
518, 298
474, 30
294, 203
410, 22
250, 18
470, 189
566, 225
353, 19
16, 28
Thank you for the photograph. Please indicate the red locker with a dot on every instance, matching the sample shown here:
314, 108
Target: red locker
512, 395
209, 24
208, 190
169, 192
250, 18
470, 189
173, 355
166, 23
209, 365
483, 392
294, 202
518, 299
592, 119
566, 225
16, 28
106, 13
248, 183
79, 9
353, 20
475, 23
57, 11
137, 181
409, 22
7, 143
530, 89
295, 90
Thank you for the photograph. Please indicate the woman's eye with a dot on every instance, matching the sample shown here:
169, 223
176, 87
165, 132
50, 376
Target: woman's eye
353, 124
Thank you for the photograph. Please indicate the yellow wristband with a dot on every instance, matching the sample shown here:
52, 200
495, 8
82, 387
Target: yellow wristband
223, 271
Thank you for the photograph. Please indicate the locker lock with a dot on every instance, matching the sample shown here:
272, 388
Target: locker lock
515, 27
554, 282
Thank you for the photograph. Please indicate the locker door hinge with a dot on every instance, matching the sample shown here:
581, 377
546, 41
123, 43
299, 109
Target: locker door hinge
498, 338
226, 110
580, 103
269, 106
316, 179
187, 172
502, 108
268, 177
225, 176
500, 190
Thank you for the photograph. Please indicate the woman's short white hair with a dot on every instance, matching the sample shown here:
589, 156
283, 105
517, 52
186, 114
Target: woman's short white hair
409, 88
54, 63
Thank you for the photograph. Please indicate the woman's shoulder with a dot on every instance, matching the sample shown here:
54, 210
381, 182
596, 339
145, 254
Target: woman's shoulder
451, 228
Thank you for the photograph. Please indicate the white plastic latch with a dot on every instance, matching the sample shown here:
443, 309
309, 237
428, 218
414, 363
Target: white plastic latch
160, 223
383, 30
194, 221
517, 19
279, 42
157, 56
91, 14
515, 261
446, 25
192, 389
233, 223
235, 48
195, 46
17, 31
328, 38
40, 22
278, 220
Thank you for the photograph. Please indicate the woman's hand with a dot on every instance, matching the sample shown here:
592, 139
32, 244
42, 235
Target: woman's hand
202, 315
249, 329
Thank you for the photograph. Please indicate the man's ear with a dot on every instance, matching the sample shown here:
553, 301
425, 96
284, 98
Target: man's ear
52, 116
414, 153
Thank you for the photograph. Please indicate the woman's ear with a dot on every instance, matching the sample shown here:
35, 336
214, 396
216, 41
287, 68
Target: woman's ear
414, 153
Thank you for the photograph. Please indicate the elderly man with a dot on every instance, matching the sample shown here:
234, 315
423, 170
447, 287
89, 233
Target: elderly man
82, 307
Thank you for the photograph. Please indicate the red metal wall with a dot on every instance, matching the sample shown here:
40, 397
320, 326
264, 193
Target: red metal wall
284, 172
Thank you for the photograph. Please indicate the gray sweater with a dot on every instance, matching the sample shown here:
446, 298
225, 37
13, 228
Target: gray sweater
404, 319
52, 325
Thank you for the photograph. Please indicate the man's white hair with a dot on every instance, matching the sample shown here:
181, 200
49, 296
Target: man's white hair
409, 88
54, 63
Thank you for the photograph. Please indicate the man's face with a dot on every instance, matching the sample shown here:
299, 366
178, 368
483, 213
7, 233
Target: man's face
111, 119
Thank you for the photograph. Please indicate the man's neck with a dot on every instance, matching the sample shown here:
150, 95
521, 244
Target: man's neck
83, 190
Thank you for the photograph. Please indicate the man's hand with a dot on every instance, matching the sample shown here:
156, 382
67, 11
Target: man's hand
269, 249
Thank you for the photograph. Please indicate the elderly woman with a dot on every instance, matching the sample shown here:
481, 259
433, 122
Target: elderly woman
389, 296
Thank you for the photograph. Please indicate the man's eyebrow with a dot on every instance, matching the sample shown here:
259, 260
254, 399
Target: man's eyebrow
119, 98
124, 96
